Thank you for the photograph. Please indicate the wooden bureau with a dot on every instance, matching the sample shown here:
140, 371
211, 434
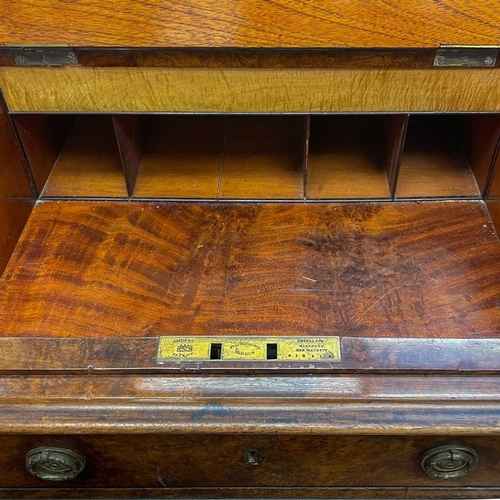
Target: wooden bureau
249, 249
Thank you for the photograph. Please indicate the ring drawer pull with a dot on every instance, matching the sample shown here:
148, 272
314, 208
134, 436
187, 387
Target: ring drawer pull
54, 464
448, 462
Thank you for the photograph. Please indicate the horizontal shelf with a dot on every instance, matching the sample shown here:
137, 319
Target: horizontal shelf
347, 158
89, 163
260, 157
121, 269
263, 158
182, 158
434, 163
222, 158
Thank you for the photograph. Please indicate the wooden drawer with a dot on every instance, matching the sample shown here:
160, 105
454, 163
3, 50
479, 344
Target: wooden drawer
152, 461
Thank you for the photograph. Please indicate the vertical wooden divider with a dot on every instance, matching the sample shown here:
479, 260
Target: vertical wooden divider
130, 134
42, 138
480, 137
16, 194
223, 152
493, 191
306, 129
396, 126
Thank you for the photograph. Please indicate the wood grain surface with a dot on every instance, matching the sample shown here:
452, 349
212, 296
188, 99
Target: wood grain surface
217, 461
396, 127
139, 355
260, 157
89, 163
347, 158
434, 162
182, 157
258, 23
42, 138
480, 136
16, 195
351, 405
130, 131
263, 158
246, 90
354, 493
246, 58
317, 389
107, 269
493, 197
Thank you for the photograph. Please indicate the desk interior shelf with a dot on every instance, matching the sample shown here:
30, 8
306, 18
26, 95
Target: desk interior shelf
352, 225
260, 157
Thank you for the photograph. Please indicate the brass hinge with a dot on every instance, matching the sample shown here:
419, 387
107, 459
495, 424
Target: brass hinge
44, 56
448, 56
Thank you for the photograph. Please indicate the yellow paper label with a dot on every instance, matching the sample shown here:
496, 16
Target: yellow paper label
248, 348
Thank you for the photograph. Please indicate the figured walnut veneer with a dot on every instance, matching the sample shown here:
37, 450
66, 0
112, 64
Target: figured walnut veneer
147, 269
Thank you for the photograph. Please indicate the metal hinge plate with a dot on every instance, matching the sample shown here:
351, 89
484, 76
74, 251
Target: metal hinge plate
466, 57
44, 56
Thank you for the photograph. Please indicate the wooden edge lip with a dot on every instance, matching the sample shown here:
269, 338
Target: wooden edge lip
289, 405
103, 355
259, 492
233, 417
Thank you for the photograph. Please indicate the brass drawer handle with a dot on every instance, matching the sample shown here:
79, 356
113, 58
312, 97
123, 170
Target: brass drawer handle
448, 462
54, 464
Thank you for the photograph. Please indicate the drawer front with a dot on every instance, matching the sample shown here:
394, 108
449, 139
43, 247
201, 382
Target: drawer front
150, 461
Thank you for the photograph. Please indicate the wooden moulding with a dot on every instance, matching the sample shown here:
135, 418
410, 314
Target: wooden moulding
352, 404
237, 23
76, 89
